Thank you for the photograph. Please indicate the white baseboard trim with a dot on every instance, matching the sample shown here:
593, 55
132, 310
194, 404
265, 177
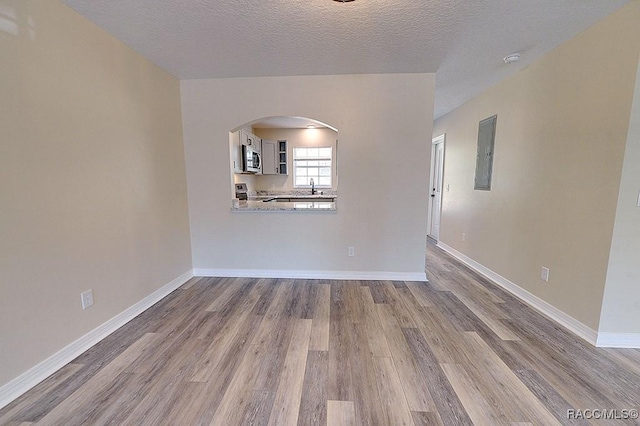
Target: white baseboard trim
304, 274
535, 302
35, 375
618, 340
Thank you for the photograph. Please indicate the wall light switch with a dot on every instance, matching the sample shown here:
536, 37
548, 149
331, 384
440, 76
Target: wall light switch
544, 274
87, 299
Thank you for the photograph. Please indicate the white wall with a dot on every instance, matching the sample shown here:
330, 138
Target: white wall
384, 157
92, 180
560, 140
621, 306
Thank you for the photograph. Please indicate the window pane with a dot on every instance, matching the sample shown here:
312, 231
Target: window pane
299, 152
324, 152
312, 162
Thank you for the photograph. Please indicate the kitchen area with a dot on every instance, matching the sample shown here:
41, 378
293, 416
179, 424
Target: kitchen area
282, 164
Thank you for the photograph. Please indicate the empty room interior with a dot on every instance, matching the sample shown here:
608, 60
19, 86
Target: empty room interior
319, 212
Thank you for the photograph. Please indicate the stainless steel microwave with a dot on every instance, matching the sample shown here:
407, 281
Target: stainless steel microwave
251, 161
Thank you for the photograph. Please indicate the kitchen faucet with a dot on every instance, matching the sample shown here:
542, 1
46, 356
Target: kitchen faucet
313, 187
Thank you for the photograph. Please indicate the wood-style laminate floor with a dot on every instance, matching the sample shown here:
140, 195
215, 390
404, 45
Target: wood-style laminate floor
223, 351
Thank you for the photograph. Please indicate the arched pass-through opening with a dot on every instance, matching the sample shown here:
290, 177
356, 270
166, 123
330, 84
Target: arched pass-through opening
283, 155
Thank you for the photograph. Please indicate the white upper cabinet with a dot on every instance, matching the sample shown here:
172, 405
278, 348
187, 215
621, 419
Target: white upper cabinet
269, 157
249, 139
236, 152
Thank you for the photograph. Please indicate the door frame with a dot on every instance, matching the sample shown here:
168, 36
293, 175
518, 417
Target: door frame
441, 139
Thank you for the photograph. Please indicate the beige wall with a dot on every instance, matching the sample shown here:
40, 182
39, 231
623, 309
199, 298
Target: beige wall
382, 205
561, 133
621, 306
92, 180
294, 138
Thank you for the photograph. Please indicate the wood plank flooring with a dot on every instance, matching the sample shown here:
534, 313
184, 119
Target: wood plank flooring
237, 351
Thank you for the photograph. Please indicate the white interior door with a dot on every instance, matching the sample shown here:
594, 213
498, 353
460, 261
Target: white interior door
436, 186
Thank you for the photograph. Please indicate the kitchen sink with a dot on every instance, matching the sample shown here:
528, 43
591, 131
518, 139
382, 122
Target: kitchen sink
301, 198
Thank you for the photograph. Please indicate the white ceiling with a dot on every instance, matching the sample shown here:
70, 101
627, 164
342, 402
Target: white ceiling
462, 41
282, 122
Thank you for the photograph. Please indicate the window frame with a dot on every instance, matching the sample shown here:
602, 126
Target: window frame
319, 158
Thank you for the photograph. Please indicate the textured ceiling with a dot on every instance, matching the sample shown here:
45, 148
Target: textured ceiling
280, 122
463, 41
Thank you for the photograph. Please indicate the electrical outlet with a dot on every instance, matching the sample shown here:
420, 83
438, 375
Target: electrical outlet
463, 237
352, 251
544, 274
87, 299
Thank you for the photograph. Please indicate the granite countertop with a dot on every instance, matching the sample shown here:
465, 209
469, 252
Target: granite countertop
257, 203
292, 193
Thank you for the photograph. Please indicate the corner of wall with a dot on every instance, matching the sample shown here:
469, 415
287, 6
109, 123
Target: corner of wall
620, 315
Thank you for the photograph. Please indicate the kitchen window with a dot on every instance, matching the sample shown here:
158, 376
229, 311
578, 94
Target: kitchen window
312, 163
